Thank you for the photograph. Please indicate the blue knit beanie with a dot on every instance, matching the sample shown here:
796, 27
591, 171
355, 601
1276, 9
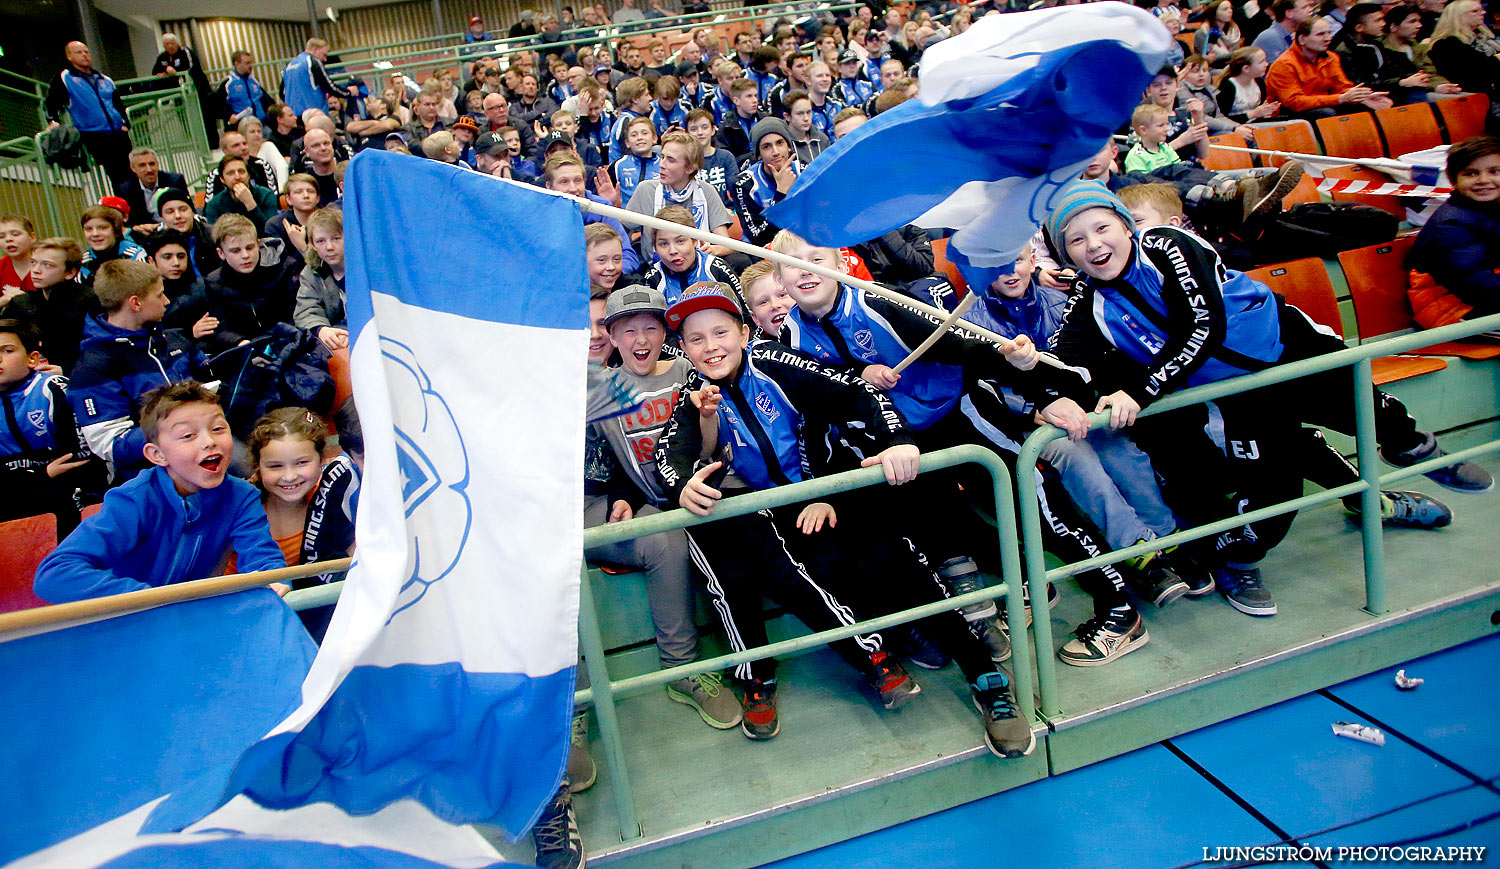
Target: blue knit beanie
1074, 199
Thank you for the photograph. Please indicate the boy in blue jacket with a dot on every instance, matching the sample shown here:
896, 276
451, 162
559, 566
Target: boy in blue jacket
949, 397
173, 523
124, 354
758, 421
43, 460
1155, 312
1108, 477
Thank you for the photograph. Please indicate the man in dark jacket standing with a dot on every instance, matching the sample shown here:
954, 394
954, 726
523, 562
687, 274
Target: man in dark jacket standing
90, 98
176, 60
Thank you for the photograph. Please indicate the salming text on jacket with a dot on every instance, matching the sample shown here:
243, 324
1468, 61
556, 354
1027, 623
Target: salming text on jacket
1176, 317
754, 192
116, 367
148, 535
869, 330
776, 402
706, 267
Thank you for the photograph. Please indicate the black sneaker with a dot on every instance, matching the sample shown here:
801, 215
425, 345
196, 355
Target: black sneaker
1462, 477
760, 720
891, 681
1244, 591
1006, 732
919, 650
1100, 640
961, 575
1156, 578
558, 845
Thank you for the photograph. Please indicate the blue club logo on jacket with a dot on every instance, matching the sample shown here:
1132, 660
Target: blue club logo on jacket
766, 408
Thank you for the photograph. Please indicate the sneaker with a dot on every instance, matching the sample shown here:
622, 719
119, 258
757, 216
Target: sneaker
1263, 194
961, 575
1244, 591
1407, 510
558, 845
760, 720
1156, 578
1052, 598
1006, 732
706, 692
1462, 477
1199, 579
996, 640
1101, 640
891, 680
582, 771
919, 650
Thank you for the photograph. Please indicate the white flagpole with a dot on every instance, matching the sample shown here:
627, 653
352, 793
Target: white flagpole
1373, 163
633, 217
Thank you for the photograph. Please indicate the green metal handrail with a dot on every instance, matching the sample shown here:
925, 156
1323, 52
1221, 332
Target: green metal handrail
605, 691
1371, 479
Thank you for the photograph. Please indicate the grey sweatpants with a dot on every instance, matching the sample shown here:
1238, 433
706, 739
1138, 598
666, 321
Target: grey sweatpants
664, 559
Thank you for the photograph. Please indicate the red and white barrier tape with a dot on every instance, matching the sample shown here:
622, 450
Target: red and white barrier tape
1379, 188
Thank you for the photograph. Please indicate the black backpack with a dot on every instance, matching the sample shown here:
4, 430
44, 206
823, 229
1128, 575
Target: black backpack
1315, 229
288, 367
62, 146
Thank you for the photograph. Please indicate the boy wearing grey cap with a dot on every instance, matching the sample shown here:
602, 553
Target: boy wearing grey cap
635, 317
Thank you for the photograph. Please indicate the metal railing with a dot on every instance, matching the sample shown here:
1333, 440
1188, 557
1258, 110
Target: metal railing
606, 691
167, 120
1368, 487
453, 43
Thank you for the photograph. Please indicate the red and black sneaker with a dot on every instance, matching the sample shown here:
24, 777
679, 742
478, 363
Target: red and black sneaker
761, 720
888, 677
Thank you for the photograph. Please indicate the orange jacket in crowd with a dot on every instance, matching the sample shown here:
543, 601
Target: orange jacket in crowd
1301, 84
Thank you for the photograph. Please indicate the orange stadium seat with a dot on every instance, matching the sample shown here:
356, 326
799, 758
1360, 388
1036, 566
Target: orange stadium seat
1220, 160
1351, 136
23, 545
1378, 279
1391, 204
1294, 136
1305, 283
343, 387
1463, 115
1409, 128
948, 267
1305, 191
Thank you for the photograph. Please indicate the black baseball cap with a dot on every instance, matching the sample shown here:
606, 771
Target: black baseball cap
556, 137
688, 69
490, 143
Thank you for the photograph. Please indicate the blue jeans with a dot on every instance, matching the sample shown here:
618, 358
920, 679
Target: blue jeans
1111, 481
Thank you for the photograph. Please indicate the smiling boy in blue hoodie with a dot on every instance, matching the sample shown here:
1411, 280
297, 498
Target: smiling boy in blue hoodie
173, 523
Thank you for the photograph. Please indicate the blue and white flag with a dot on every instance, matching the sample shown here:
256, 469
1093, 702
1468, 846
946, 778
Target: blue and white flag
1008, 112
443, 692
447, 673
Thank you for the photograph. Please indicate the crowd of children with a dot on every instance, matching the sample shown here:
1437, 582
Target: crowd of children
751, 373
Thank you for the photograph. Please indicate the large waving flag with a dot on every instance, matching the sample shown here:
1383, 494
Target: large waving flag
1008, 112
442, 694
